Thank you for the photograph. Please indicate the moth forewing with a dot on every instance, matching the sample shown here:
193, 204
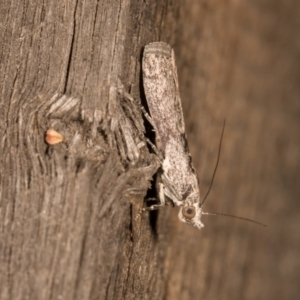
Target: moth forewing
178, 180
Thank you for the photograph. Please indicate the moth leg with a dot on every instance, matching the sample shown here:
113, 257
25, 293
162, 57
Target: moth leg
147, 116
154, 149
140, 212
161, 198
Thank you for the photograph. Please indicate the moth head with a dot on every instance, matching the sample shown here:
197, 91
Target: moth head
191, 214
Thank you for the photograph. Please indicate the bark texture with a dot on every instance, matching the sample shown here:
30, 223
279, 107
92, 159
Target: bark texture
68, 225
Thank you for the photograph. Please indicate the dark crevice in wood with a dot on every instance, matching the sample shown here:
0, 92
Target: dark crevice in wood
71, 49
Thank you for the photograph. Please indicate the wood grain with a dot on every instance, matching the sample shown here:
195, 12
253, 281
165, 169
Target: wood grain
68, 211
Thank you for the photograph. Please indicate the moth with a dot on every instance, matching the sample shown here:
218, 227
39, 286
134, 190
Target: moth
177, 181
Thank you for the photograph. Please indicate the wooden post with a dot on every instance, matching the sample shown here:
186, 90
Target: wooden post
70, 197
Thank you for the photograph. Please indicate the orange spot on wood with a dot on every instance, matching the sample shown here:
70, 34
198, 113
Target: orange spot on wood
53, 137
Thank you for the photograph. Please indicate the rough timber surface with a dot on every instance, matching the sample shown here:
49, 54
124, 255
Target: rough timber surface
67, 212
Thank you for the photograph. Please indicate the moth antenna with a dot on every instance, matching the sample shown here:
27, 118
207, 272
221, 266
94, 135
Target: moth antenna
216, 167
232, 216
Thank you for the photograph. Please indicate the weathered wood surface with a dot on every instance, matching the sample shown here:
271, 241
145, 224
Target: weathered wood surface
67, 212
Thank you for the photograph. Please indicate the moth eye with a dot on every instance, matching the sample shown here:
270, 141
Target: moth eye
189, 212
